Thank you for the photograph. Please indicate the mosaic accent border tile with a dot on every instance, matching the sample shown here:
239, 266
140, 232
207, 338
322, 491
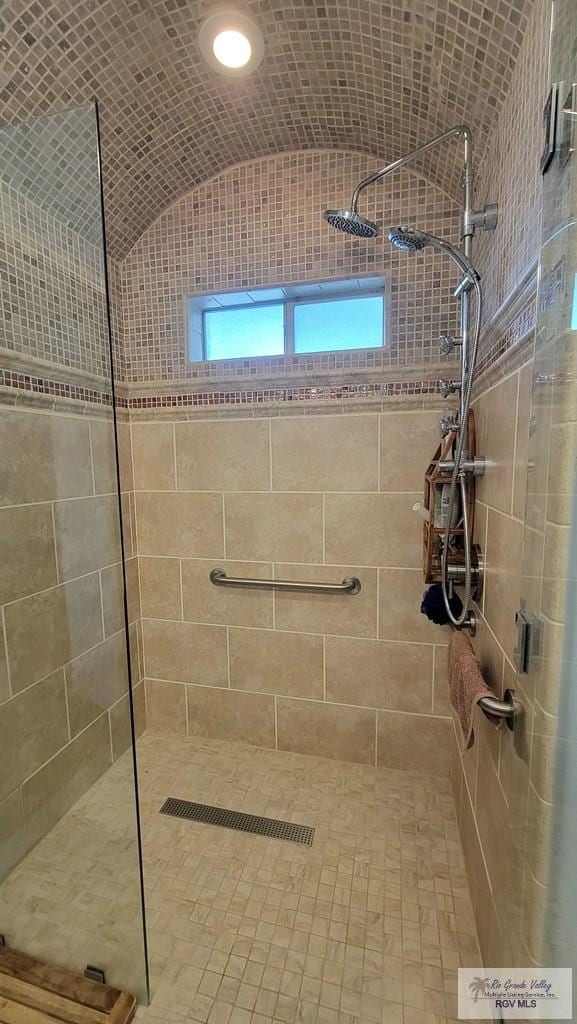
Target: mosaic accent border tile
286, 394
516, 333
53, 388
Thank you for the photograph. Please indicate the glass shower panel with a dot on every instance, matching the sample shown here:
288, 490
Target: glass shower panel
548, 920
70, 874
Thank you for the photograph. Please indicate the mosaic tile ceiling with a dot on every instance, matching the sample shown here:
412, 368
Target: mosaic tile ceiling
375, 76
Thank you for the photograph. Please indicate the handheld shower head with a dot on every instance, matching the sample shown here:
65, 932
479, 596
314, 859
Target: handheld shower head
351, 223
413, 240
408, 239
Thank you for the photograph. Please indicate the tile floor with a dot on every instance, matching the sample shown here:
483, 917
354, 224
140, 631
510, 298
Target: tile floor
367, 925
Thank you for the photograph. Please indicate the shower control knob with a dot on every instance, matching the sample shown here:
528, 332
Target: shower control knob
449, 387
447, 424
447, 343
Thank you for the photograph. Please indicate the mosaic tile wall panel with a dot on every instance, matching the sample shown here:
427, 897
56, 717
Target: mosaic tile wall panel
261, 223
374, 75
510, 172
52, 287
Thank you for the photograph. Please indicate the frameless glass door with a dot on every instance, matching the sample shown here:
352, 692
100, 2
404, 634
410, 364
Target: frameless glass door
71, 883
547, 922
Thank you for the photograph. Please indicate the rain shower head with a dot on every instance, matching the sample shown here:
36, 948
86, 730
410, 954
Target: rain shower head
408, 239
351, 223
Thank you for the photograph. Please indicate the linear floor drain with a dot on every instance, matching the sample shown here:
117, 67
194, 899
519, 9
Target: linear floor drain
237, 820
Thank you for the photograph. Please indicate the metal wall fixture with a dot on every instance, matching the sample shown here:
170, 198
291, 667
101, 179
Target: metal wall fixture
412, 240
508, 708
350, 584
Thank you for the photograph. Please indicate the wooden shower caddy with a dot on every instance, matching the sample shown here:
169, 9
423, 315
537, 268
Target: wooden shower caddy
35, 992
434, 479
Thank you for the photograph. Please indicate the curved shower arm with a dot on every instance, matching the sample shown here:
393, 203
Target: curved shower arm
458, 130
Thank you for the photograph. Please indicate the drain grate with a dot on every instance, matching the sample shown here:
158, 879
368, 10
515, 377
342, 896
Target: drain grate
237, 820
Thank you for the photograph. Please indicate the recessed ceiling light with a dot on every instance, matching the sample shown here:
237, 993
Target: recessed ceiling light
232, 48
231, 43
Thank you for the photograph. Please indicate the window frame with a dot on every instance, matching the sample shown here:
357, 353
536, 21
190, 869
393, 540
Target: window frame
289, 303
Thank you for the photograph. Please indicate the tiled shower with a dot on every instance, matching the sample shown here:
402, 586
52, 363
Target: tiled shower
130, 471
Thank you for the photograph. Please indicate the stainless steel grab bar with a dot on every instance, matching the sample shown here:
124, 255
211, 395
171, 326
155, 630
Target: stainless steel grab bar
350, 584
495, 708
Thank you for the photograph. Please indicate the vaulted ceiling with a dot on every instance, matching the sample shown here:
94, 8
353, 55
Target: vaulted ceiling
375, 76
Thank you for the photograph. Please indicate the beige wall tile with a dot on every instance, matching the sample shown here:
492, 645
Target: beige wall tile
165, 707
33, 727
27, 553
132, 588
561, 469
548, 744
135, 647
470, 759
540, 838
59, 783
87, 535
408, 443
12, 834
514, 755
4, 683
43, 457
378, 674
479, 885
522, 445
325, 453
275, 662
125, 456
441, 702
496, 837
181, 525
128, 512
414, 743
185, 652
267, 527
103, 456
153, 456
120, 726
112, 599
95, 681
373, 529
160, 588
340, 614
400, 595
45, 631
502, 577
535, 900
326, 730
231, 715
495, 423
490, 655
223, 456
203, 602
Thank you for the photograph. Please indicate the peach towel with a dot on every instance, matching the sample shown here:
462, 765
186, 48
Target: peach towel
466, 684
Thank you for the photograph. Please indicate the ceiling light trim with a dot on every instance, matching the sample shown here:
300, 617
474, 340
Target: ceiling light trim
226, 21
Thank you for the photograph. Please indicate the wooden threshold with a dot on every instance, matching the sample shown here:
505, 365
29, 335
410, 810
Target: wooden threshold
35, 992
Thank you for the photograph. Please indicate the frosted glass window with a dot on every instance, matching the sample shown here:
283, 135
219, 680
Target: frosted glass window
244, 331
325, 316
339, 324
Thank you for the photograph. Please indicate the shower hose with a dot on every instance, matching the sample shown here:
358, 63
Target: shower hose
458, 477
